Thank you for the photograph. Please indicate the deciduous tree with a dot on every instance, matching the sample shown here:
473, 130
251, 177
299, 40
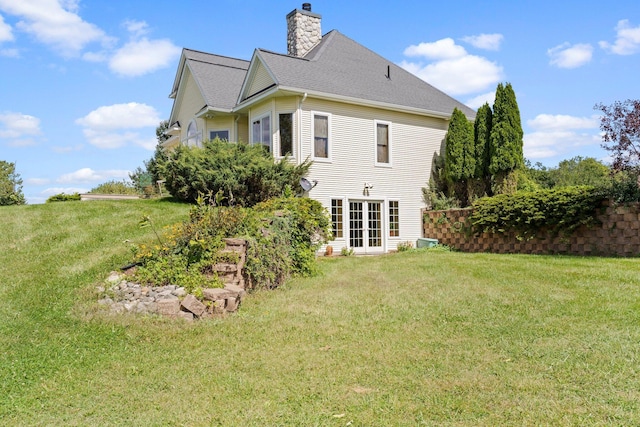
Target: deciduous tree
620, 124
10, 185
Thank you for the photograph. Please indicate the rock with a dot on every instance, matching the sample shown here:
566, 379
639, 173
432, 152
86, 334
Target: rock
168, 307
185, 315
237, 290
179, 292
105, 301
114, 277
215, 294
100, 289
232, 304
218, 306
192, 304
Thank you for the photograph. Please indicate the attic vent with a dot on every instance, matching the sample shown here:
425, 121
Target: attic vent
306, 6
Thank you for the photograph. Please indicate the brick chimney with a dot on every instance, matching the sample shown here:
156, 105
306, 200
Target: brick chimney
303, 30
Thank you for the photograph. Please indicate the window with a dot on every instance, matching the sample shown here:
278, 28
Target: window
336, 218
321, 136
222, 135
394, 218
194, 138
286, 134
261, 130
383, 152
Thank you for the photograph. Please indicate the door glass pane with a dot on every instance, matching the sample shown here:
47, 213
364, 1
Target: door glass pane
356, 225
375, 225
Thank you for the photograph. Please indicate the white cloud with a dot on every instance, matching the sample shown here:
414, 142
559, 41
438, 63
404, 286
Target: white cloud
67, 149
546, 122
37, 181
17, 126
136, 28
568, 56
55, 23
88, 175
66, 190
556, 135
485, 41
459, 76
6, 34
114, 126
455, 71
10, 53
478, 101
143, 56
441, 49
627, 41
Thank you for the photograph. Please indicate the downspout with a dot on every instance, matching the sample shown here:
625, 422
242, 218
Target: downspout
235, 126
304, 97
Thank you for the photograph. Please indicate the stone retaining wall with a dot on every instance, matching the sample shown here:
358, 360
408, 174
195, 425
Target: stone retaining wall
124, 296
618, 234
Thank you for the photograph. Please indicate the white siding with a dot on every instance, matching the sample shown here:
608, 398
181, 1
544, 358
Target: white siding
190, 102
414, 141
260, 81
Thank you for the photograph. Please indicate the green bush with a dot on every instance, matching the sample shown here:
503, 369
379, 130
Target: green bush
282, 234
62, 197
115, 187
558, 211
243, 174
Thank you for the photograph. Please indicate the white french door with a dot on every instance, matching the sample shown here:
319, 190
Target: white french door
365, 226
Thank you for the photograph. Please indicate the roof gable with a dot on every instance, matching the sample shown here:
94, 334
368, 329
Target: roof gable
219, 78
259, 78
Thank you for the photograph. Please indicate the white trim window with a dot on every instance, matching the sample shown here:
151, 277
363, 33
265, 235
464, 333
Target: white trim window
261, 131
321, 136
337, 218
222, 134
383, 143
194, 137
285, 134
394, 218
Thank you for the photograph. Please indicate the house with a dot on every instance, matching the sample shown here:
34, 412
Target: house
370, 127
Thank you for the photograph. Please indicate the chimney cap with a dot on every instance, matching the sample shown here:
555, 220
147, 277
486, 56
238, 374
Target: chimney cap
306, 6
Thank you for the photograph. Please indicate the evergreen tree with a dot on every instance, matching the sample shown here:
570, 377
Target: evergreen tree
460, 161
482, 134
10, 185
505, 140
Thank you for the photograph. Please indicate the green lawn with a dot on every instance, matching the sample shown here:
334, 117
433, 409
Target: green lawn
416, 338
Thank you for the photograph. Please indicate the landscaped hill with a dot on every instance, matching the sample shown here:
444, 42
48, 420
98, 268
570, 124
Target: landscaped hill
415, 338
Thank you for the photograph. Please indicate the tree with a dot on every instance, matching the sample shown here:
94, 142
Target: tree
620, 124
505, 140
10, 185
581, 171
460, 161
160, 131
482, 135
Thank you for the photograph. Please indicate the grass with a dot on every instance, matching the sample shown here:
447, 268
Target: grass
416, 338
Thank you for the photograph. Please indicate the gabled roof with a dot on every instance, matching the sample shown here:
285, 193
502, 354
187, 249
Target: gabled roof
340, 67
219, 78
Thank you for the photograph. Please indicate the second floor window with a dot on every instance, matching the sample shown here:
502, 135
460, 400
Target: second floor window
286, 134
382, 144
320, 136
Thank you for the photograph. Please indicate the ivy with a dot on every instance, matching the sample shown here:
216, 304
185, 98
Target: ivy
558, 211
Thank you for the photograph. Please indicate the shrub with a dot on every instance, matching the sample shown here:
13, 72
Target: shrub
282, 234
115, 187
62, 197
243, 174
559, 211
405, 246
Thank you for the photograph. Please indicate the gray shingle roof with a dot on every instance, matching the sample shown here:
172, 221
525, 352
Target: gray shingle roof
342, 67
219, 77
338, 66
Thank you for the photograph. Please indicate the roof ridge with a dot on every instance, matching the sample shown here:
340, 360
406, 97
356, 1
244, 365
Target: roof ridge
219, 65
215, 54
281, 54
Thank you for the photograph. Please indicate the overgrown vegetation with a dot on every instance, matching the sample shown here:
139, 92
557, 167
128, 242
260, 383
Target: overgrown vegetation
283, 235
244, 174
115, 187
62, 197
559, 210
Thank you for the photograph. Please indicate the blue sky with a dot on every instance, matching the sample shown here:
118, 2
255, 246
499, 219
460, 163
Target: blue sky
84, 83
